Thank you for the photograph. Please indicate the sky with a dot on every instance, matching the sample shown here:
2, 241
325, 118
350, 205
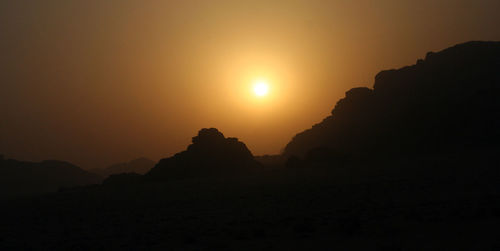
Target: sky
97, 82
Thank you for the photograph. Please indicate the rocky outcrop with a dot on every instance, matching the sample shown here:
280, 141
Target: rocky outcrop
446, 102
210, 153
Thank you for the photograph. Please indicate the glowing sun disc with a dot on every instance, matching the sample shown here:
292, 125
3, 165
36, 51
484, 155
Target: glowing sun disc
261, 88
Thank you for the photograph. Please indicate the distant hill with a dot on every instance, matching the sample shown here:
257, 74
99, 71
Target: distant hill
139, 166
445, 103
25, 178
210, 153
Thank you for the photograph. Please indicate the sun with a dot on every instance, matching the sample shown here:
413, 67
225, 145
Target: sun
261, 88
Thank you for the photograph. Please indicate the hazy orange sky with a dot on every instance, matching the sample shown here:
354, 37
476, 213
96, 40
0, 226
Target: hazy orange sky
96, 82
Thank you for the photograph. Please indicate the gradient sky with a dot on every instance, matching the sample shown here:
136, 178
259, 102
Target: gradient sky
97, 82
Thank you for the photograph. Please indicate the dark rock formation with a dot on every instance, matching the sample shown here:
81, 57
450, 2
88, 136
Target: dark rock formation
210, 153
447, 102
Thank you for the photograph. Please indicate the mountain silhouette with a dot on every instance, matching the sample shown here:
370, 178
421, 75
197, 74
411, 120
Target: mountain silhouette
25, 178
445, 103
210, 153
139, 166
393, 185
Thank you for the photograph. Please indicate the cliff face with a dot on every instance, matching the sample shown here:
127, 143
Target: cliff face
445, 102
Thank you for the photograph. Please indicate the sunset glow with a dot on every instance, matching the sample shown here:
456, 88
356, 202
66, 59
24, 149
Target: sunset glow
259, 70
249, 124
261, 88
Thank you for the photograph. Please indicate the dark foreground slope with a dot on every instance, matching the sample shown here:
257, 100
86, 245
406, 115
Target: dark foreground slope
446, 103
287, 209
25, 178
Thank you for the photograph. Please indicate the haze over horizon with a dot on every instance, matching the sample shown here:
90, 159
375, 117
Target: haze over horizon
101, 82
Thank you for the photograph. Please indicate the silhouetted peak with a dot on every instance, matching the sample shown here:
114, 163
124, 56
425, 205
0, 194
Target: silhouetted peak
210, 143
208, 136
209, 153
